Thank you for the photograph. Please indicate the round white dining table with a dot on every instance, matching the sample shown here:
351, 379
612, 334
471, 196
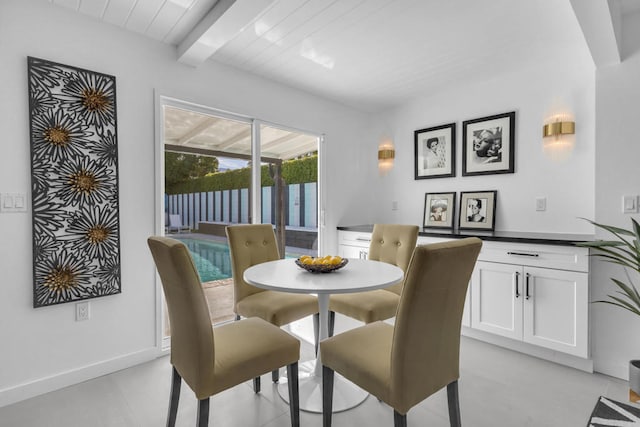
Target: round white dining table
358, 275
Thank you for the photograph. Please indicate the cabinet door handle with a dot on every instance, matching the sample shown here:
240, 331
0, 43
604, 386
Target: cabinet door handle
522, 254
526, 286
517, 279
363, 239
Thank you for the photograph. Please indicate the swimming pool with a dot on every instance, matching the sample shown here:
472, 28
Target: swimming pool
211, 257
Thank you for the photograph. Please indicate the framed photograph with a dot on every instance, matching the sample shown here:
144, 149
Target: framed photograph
488, 145
439, 209
477, 210
435, 152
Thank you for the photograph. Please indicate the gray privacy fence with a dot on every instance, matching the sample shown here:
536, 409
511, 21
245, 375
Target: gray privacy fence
232, 206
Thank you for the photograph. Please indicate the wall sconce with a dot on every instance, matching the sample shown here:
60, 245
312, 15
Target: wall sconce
558, 128
386, 154
558, 138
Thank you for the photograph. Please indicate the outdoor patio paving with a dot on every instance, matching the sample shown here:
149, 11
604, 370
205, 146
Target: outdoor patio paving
219, 294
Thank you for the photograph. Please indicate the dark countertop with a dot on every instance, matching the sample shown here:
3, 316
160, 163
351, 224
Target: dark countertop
496, 236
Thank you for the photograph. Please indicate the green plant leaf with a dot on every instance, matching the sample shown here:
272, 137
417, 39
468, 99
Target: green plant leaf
614, 230
600, 243
636, 230
618, 232
630, 291
615, 304
621, 252
622, 304
619, 258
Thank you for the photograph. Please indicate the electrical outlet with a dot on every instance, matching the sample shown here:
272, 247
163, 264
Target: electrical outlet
541, 203
394, 205
82, 311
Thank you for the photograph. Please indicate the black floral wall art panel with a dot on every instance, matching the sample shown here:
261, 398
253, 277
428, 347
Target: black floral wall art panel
74, 183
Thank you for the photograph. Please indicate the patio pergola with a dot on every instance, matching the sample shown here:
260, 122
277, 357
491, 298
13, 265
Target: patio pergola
191, 132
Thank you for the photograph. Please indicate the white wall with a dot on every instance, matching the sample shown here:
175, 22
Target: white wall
564, 176
45, 348
587, 182
616, 332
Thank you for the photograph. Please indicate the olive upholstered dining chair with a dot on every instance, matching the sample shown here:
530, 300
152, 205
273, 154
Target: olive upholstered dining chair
404, 364
210, 359
251, 244
390, 243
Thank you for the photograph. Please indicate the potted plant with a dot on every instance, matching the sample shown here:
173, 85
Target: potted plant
624, 250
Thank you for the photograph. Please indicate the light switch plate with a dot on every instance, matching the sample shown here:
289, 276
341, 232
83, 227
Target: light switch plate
7, 201
629, 204
13, 202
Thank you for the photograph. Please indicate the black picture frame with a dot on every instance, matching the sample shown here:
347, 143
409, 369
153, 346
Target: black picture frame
439, 210
435, 152
485, 216
488, 145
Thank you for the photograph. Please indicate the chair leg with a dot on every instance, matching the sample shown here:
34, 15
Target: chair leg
332, 322
316, 330
454, 404
256, 385
294, 394
399, 420
327, 396
275, 375
203, 413
174, 397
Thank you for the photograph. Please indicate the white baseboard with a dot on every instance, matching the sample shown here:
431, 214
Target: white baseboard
40, 386
532, 350
613, 369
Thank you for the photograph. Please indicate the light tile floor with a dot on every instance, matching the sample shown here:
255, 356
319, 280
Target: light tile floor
498, 388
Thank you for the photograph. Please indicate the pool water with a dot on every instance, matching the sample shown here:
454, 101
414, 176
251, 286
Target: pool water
211, 258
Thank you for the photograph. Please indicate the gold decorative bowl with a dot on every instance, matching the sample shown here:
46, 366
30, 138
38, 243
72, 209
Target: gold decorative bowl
322, 268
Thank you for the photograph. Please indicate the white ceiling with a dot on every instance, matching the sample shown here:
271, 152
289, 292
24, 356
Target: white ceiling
192, 132
367, 54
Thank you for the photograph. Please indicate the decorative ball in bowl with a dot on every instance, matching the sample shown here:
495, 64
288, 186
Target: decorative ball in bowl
325, 264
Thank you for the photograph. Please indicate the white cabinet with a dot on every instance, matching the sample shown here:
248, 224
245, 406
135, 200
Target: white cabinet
495, 306
531, 293
352, 244
556, 310
520, 298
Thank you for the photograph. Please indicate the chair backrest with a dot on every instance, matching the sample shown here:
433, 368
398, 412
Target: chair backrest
249, 244
192, 349
426, 338
393, 244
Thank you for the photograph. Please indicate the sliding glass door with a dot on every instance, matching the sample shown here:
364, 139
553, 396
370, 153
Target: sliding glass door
221, 169
289, 188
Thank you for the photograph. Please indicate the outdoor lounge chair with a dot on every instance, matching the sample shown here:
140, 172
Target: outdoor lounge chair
175, 224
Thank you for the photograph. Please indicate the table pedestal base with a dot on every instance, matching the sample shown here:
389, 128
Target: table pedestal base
346, 395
